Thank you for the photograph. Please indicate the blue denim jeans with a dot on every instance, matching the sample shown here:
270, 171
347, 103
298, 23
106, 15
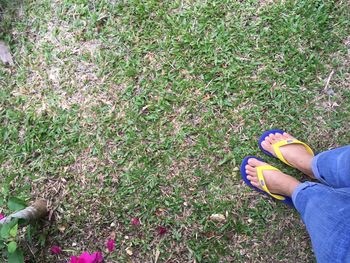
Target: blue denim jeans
325, 207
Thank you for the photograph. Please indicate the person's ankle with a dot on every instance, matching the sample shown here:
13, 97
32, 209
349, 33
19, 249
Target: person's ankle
303, 163
291, 188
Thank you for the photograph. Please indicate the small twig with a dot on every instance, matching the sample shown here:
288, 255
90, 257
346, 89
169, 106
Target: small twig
206, 86
30, 249
328, 80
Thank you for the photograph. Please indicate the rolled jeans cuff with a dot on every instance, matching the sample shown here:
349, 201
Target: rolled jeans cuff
299, 188
315, 169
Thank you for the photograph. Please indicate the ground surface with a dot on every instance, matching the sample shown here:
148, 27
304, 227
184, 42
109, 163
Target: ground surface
122, 109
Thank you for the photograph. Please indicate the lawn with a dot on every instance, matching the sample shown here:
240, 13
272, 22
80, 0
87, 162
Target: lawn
144, 109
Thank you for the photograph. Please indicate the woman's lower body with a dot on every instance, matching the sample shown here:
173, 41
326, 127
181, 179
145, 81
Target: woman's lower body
325, 206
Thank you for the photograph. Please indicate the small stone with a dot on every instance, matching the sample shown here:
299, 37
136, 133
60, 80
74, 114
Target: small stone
5, 55
330, 92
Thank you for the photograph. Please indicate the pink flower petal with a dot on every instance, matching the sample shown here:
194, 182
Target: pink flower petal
161, 230
1, 216
110, 244
135, 221
56, 250
98, 257
74, 259
87, 258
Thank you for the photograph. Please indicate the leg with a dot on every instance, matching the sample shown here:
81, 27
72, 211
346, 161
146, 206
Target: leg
325, 212
329, 167
333, 167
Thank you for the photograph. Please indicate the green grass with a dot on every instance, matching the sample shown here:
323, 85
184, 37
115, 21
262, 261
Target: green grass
121, 109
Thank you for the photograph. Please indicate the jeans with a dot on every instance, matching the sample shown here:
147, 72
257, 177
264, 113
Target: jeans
325, 207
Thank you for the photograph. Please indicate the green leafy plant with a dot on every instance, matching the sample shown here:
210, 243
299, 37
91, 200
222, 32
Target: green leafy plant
9, 232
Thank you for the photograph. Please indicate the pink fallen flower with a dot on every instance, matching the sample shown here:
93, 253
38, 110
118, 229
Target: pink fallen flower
1, 216
99, 257
135, 221
87, 258
74, 259
56, 250
110, 244
161, 230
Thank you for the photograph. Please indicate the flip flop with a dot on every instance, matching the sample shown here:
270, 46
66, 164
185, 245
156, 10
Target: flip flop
276, 146
260, 169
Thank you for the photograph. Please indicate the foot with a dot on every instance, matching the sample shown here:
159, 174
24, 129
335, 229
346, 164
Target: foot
276, 181
295, 154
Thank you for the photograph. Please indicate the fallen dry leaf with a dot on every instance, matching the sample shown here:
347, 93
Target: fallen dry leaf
128, 251
160, 211
217, 218
209, 234
156, 255
61, 228
112, 235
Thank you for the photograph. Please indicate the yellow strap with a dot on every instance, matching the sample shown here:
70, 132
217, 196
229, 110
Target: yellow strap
276, 147
262, 182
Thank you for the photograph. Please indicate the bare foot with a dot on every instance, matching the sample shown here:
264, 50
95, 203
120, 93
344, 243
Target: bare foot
295, 154
276, 181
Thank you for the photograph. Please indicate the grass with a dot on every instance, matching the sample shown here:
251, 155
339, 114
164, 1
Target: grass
121, 109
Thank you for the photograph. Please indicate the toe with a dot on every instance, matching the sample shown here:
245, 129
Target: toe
256, 184
249, 168
251, 173
248, 172
273, 138
278, 136
252, 179
266, 145
250, 162
268, 140
255, 162
287, 136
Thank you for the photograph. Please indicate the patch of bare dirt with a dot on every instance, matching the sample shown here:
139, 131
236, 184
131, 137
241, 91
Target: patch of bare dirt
72, 75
